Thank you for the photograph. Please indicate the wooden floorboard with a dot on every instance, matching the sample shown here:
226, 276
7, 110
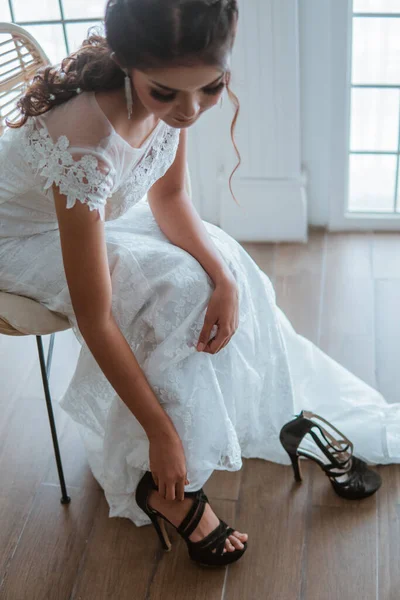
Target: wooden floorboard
272, 509
342, 291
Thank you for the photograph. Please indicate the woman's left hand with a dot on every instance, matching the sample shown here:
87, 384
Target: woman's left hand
223, 311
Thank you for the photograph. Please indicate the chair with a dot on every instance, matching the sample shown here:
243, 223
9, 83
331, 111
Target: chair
20, 57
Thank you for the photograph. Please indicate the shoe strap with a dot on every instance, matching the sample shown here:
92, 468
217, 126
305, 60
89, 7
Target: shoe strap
194, 514
308, 415
216, 539
355, 479
334, 461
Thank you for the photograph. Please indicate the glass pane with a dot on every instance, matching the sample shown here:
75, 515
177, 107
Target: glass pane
36, 11
77, 32
4, 11
371, 182
76, 9
382, 6
376, 51
374, 119
51, 38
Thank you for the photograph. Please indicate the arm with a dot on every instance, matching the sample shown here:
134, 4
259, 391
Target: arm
89, 282
179, 220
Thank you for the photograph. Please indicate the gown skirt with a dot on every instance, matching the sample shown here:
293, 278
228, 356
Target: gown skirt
224, 406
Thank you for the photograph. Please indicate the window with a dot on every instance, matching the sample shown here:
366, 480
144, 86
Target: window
59, 26
374, 120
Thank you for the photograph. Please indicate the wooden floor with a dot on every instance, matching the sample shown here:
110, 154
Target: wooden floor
305, 543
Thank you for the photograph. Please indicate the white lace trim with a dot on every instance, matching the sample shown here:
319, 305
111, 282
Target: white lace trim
152, 166
56, 163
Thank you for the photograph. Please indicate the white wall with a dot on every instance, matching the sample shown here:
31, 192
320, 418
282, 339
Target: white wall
316, 94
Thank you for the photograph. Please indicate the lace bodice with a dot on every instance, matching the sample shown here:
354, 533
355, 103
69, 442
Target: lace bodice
153, 164
75, 146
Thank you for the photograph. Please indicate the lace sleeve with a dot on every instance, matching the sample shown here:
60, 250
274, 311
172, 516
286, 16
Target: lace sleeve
84, 174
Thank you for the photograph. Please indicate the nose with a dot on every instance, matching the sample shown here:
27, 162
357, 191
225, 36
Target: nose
188, 109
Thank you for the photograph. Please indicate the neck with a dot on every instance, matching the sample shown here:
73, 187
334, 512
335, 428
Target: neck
139, 113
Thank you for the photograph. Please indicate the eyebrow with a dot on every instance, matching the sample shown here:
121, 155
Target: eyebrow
174, 90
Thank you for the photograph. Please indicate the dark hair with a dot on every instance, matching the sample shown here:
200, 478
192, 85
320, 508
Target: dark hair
142, 34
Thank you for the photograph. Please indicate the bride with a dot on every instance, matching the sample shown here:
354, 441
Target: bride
186, 363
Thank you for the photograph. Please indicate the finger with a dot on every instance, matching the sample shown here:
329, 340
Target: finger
161, 488
225, 343
170, 495
208, 345
180, 490
155, 478
216, 343
205, 334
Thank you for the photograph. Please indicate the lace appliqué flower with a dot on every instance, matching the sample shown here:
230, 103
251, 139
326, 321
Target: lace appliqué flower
84, 179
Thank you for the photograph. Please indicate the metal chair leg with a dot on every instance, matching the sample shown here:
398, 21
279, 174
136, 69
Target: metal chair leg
50, 355
65, 499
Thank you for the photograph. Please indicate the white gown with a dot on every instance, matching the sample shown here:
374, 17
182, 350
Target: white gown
225, 406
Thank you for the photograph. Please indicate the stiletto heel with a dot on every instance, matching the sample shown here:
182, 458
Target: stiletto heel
200, 552
349, 475
159, 526
296, 466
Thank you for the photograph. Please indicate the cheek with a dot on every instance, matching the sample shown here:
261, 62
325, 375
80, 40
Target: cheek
211, 101
152, 105
156, 107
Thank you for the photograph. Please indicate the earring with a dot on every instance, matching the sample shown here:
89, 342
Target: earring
221, 102
128, 93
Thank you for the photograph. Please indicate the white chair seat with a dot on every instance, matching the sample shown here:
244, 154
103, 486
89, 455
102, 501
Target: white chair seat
20, 315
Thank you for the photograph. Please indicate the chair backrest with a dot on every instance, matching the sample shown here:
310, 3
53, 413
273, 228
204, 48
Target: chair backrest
20, 57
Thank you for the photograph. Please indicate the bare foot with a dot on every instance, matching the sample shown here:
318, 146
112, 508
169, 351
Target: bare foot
176, 510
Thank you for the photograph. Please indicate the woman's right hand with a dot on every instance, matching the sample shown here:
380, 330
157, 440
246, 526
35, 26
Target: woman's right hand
168, 466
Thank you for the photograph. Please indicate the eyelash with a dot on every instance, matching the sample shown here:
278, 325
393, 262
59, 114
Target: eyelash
169, 97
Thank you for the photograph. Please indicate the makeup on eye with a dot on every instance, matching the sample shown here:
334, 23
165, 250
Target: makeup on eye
169, 97
162, 97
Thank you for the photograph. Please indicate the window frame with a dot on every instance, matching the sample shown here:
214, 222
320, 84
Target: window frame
340, 218
62, 21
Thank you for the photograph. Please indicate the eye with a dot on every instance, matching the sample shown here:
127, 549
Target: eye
214, 90
162, 97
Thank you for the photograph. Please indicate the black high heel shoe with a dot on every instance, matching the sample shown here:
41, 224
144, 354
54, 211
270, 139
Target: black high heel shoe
200, 552
357, 480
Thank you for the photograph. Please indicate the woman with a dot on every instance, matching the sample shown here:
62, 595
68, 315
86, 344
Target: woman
143, 287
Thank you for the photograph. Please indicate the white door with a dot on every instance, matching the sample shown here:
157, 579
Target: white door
270, 186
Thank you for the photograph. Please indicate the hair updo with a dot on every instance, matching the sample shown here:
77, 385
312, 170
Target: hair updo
142, 34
